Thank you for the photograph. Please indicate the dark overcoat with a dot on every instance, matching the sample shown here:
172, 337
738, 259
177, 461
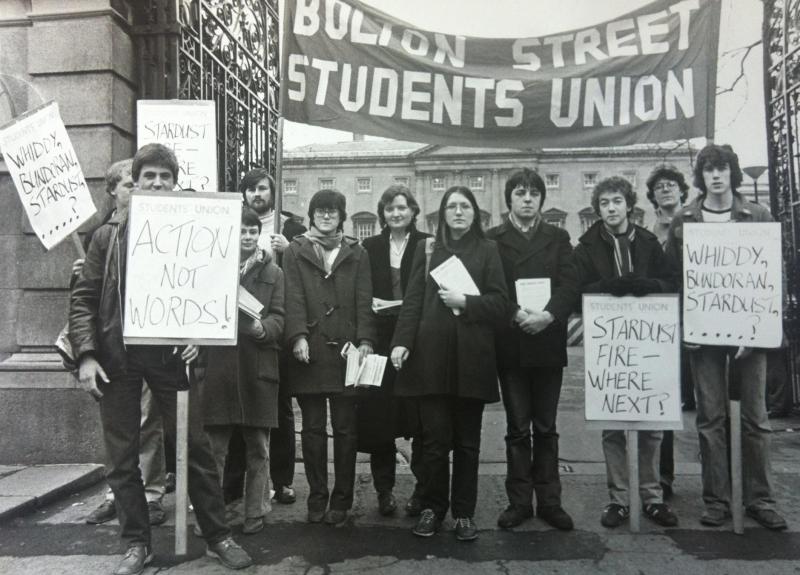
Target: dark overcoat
438, 339
545, 255
241, 383
328, 310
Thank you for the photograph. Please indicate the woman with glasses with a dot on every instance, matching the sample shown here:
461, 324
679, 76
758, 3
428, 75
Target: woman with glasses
444, 347
380, 417
328, 304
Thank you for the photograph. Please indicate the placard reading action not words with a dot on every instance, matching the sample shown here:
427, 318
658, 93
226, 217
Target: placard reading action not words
182, 278
732, 288
188, 128
46, 173
632, 358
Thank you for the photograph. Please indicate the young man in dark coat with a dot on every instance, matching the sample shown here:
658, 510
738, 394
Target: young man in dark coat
112, 373
618, 257
531, 355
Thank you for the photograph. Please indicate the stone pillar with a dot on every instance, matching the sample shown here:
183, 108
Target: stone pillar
81, 55
420, 193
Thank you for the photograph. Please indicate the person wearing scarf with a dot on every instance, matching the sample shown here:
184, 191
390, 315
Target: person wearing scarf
328, 304
618, 257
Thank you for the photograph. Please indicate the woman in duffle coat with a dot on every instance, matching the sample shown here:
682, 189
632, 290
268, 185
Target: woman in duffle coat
241, 383
451, 360
328, 304
381, 416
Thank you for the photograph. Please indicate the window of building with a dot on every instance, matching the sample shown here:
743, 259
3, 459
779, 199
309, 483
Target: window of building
631, 177
364, 185
638, 216
327, 183
364, 225
588, 218
555, 217
289, 186
402, 180
552, 181
589, 179
437, 183
475, 183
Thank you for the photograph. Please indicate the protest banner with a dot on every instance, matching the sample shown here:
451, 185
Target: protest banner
632, 361
732, 284
182, 278
187, 127
643, 77
46, 174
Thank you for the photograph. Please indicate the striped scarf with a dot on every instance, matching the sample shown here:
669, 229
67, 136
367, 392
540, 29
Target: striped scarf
623, 262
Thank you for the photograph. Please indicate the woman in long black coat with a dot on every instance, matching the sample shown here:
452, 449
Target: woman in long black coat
447, 340
328, 304
381, 417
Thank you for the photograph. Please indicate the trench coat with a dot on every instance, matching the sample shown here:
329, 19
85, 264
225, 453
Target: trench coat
328, 310
241, 383
545, 255
438, 339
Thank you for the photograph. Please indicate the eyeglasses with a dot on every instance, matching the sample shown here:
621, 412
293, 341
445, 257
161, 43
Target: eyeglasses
665, 186
463, 207
323, 212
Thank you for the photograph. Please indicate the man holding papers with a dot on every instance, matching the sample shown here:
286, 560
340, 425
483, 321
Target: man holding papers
532, 352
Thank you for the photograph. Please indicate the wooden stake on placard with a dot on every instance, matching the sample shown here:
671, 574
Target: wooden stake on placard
735, 410
634, 501
181, 469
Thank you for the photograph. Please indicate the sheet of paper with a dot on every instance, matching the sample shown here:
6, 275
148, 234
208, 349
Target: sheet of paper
533, 293
379, 305
452, 275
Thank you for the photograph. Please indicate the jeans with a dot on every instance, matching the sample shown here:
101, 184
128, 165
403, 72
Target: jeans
282, 445
120, 414
709, 366
151, 451
256, 440
615, 451
450, 423
315, 450
530, 398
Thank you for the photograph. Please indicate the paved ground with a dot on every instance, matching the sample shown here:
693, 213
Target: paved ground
54, 539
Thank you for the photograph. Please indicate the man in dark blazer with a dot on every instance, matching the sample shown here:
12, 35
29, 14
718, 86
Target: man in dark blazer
531, 355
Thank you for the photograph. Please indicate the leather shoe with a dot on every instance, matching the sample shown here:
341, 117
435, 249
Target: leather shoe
156, 513
386, 503
768, 518
106, 511
514, 515
661, 514
252, 525
316, 515
428, 524
614, 515
284, 494
555, 516
466, 530
413, 506
135, 560
714, 516
335, 516
230, 554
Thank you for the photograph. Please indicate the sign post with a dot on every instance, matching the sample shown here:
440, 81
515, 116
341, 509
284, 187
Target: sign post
632, 359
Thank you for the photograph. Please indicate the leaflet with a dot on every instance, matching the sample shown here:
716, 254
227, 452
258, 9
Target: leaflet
533, 293
452, 275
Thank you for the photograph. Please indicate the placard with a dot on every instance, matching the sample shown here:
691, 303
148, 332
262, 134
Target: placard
46, 174
632, 361
732, 284
189, 128
182, 279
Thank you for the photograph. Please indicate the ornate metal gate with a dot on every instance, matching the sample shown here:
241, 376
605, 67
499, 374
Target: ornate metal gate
222, 50
781, 37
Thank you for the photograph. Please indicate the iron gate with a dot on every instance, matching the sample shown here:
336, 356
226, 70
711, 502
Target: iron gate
781, 35
221, 50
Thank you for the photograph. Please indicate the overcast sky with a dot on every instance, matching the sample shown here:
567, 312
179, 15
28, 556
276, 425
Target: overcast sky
740, 115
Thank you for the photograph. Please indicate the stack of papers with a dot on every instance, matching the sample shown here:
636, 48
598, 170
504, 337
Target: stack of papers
452, 275
368, 373
249, 304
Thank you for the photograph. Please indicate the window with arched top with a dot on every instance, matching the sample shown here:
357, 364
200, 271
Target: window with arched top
555, 217
588, 218
364, 224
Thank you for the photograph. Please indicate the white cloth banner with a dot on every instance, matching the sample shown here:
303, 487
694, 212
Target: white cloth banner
632, 359
187, 127
46, 173
732, 286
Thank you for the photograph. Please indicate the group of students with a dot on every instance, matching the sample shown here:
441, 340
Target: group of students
447, 351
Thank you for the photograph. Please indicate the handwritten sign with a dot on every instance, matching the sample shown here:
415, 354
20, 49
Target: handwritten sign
732, 288
183, 268
46, 173
189, 128
632, 358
